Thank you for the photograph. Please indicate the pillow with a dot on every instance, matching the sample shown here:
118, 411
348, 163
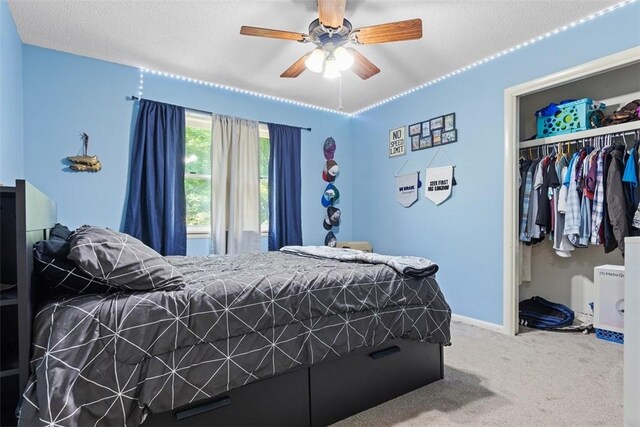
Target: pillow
64, 277
58, 244
122, 261
59, 231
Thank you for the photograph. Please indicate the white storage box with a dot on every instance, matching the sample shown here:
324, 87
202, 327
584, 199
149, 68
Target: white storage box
609, 298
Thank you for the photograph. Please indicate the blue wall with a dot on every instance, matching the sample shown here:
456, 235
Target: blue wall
464, 235
11, 120
65, 94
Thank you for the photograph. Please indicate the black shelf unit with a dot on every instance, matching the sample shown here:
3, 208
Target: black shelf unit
9, 335
27, 216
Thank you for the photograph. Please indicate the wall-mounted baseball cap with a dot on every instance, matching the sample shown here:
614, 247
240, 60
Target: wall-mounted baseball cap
330, 240
330, 171
329, 148
326, 224
330, 195
334, 215
331, 218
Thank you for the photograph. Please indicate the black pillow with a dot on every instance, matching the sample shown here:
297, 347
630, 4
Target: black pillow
59, 231
62, 276
58, 244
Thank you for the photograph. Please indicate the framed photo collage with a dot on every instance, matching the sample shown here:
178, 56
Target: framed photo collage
433, 132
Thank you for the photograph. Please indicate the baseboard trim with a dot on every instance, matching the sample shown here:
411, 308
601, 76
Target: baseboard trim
480, 323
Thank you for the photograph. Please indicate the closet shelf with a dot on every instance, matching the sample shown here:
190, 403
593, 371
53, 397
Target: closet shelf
624, 127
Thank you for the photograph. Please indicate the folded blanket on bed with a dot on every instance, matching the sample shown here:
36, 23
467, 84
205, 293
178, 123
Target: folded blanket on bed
407, 265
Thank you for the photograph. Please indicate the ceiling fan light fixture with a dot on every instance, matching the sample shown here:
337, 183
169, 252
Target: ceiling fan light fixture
331, 70
315, 61
343, 58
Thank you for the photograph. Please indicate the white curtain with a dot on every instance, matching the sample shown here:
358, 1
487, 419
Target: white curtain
235, 182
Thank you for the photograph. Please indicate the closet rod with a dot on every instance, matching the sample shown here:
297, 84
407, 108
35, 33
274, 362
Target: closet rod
585, 134
577, 140
136, 98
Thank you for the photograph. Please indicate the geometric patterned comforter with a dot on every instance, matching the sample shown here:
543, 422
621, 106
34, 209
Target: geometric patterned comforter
110, 359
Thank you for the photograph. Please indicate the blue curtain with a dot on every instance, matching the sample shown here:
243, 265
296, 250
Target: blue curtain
156, 208
285, 207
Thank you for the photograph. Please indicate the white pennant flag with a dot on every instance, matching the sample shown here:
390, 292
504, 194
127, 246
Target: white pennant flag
438, 184
407, 189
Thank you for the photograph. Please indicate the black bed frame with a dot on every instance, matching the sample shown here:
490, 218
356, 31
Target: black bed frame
311, 395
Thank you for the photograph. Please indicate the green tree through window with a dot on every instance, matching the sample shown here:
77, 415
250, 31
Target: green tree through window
264, 183
197, 180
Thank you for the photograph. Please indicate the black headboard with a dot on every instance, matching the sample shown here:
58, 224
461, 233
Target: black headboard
36, 214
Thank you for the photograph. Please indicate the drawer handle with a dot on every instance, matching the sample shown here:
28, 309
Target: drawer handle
384, 353
220, 403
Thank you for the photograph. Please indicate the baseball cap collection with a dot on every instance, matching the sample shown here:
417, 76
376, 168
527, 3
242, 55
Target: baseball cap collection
331, 194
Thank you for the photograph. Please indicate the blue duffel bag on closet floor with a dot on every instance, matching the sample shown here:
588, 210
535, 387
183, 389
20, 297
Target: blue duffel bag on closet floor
539, 313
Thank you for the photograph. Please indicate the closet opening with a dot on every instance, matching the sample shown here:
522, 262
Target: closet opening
539, 269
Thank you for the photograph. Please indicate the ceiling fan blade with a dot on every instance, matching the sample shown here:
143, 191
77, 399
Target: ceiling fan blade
331, 12
274, 34
390, 32
362, 66
296, 68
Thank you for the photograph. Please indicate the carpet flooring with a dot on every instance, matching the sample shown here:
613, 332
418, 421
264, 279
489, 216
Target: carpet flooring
534, 379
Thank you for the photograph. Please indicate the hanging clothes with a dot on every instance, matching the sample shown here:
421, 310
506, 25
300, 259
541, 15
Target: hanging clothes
550, 180
589, 198
561, 243
616, 205
631, 188
597, 213
635, 222
534, 231
606, 234
572, 213
585, 208
524, 211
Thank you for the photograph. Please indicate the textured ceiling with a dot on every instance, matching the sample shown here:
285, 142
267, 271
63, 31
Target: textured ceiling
200, 39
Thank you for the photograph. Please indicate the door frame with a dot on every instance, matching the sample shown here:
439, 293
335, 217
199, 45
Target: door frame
511, 271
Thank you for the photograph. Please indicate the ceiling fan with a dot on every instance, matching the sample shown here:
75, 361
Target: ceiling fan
330, 33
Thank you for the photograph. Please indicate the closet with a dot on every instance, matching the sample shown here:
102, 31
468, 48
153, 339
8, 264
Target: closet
568, 280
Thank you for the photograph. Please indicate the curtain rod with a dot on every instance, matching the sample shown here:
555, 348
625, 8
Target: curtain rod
136, 98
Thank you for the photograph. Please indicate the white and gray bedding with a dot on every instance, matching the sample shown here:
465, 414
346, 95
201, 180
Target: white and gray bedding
409, 265
109, 359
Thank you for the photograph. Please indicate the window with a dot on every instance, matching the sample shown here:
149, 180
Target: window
197, 179
197, 172
264, 178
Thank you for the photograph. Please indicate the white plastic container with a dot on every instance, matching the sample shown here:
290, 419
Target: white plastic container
609, 298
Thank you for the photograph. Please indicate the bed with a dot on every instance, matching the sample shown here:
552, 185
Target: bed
264, 339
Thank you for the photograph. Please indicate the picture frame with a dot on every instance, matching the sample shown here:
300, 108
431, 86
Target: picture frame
450, 122
426, 142
396, 142
436, 123
436, 137
415, 129
449, 136
433, 132
415, 142
426, 129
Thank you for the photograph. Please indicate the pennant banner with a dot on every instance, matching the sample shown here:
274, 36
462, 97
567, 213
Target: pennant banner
407, 189
439, 183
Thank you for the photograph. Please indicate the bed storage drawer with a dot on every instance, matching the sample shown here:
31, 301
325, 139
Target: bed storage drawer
366, 378
278, 401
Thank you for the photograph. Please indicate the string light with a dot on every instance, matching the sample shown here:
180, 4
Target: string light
141, 85
499, 54
393, 97
238, 90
